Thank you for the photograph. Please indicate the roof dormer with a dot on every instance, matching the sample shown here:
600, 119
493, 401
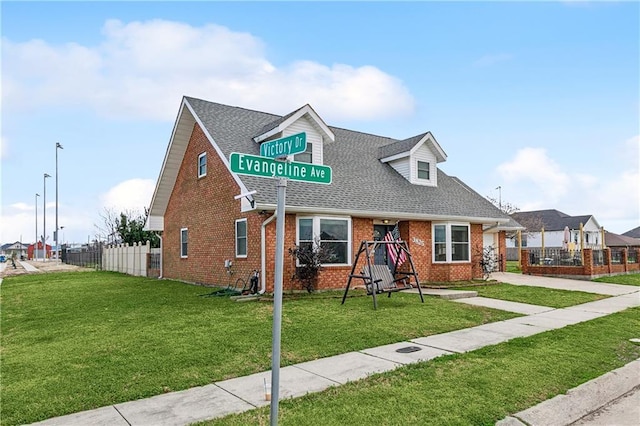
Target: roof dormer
415, 158
306, 120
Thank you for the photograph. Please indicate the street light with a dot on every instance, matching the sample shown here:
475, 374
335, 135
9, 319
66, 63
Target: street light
499, 188
44, 213
55, 234
35, 248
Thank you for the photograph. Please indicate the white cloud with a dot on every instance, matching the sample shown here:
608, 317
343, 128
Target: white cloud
142, 69
131, 195
535, 167
4, 148
22, 207
17, 222
489, 60
539, 182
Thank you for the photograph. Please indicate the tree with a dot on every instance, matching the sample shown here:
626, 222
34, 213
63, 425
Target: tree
127, 227
531, 224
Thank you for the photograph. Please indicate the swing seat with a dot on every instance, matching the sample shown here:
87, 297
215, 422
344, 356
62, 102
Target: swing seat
383, 280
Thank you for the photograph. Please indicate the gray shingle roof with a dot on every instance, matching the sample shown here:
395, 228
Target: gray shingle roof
553, 220
399, 146
615, 240
633, 233
360, 181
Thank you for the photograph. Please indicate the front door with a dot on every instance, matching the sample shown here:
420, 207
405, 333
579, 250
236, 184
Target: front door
380, 256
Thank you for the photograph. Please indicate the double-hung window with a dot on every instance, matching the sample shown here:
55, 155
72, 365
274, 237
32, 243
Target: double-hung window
329, 232
451, 242
241, 238
423, 170
184, 237
306, 156
202, 165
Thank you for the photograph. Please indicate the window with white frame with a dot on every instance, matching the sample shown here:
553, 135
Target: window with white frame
184, 237
306, 156
241, 238
202, 165
332, 233
451, 242
423, 170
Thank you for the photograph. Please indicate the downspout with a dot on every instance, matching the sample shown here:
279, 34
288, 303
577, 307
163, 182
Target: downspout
263, 250
161, 256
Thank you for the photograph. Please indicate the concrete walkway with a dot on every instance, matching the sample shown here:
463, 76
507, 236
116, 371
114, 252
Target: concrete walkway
28, 267
563, 284
244, 393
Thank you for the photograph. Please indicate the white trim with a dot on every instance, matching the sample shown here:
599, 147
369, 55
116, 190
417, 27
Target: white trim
316, 231
448, 242
300, 113
246, 237
395, 157
203, 155
309, 211
433, 146
180, 137
184, 256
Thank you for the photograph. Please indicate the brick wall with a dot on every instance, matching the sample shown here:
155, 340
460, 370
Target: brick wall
206, 206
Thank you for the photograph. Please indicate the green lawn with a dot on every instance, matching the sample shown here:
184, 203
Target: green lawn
534, 295
476, 388
77, 341
513, 266
628, 279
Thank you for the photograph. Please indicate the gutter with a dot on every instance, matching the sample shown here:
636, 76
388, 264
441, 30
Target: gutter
384, 215
263, 250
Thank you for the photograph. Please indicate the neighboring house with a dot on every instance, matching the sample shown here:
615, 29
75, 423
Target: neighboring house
377, 182
39, 252
620, 241
554, 223
634, 233
16, 248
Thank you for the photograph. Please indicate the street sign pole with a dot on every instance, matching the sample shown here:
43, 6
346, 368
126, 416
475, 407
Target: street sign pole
281, 186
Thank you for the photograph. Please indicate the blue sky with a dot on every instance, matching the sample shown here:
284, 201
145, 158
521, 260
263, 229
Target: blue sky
539, 98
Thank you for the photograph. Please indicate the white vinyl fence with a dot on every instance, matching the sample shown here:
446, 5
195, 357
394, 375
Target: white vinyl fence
127, 259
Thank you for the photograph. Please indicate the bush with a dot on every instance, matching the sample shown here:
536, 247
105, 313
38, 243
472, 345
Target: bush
310, 259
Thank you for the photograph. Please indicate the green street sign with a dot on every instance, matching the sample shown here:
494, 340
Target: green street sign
284, 146
245, 164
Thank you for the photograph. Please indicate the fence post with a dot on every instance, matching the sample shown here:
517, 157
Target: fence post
607, 258
524, 261
145, 269
587, 261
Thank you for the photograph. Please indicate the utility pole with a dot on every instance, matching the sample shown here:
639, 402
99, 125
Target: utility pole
44, 213
55, 234
35, 248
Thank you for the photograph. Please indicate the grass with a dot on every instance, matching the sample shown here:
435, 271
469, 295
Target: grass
534, 295
476, 388
627, 279
513, 266
76, 341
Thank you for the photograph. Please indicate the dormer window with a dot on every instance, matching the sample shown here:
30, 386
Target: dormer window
423, 170
306, 156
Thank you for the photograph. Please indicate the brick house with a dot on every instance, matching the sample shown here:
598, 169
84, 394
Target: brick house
378, 182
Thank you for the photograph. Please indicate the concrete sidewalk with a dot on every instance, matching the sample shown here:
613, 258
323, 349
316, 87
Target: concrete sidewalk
28, 267
245, 393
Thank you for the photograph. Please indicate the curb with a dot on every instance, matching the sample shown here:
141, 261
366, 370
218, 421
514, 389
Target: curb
580, 401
